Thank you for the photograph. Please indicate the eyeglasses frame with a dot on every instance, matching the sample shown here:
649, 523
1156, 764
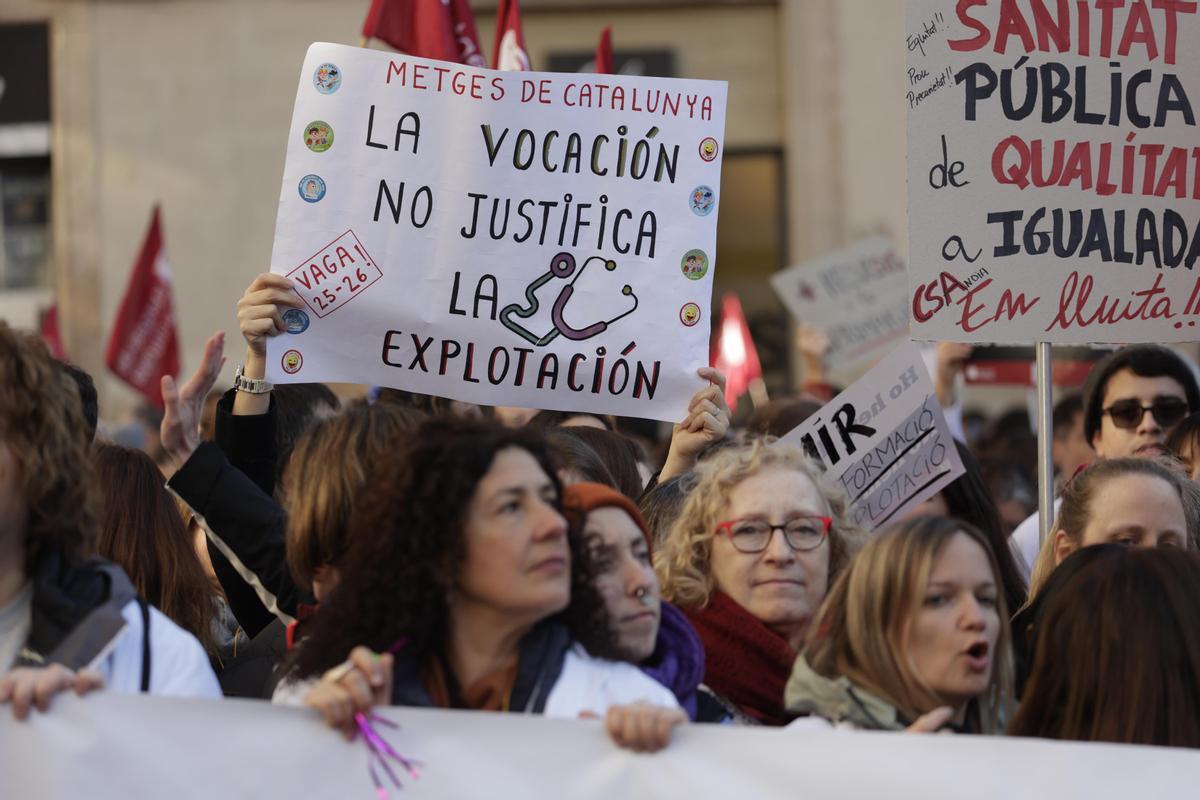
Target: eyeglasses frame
726, 528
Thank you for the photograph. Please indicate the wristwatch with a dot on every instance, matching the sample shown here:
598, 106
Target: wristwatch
250, 385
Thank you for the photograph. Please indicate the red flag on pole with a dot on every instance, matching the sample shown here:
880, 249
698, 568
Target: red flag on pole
143, 345
441, 29
734, 353
604, 53
509, 51
50, 334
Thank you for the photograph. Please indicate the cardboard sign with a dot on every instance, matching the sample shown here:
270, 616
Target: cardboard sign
1054, 178
858, 296
884, 439
504, 238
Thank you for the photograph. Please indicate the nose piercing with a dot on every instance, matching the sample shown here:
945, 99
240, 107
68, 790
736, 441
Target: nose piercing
642, 595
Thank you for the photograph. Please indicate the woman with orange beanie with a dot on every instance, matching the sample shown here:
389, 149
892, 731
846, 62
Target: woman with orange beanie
647, 632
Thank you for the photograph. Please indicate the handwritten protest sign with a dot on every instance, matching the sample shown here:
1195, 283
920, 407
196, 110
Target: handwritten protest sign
529, 239
884, 439
858, 295
1054, 177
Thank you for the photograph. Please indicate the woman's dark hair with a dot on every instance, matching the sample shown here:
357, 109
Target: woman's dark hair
1117, 652
1027, 622
87, 396
296, 406
407, 543
661, 506
571, 452
426, 404
331, 462
968, 499
619, 453
1186, 435
545, 420
779, 417
142, 530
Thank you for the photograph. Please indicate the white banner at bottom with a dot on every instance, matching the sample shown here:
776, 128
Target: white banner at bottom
122, 746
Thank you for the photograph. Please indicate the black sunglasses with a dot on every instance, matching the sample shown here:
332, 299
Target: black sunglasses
1168, 412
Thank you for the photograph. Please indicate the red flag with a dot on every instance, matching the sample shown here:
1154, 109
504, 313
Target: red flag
142, 347
604, 53
50, 334
509, 51
734, 353
441, 29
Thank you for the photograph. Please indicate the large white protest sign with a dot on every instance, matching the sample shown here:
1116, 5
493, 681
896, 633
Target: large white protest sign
858, 295
1053, 172
515, 238
115, 746
884, 439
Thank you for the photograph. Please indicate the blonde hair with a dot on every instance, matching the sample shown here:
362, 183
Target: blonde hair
862, 629
683, 559
1074, 513
326, 475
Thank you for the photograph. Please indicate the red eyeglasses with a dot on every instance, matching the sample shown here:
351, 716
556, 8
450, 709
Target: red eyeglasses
801, 533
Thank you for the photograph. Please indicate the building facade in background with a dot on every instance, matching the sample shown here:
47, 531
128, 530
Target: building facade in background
109, 106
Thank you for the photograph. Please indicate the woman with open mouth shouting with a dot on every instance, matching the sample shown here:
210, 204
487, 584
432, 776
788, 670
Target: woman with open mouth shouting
914, 635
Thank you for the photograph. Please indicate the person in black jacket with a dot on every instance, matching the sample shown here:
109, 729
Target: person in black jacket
227, 486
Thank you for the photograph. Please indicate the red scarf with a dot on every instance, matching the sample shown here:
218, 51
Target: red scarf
746, 663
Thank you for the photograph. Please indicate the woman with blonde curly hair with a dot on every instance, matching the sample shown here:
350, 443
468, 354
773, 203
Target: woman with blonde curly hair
759, 540
914, 634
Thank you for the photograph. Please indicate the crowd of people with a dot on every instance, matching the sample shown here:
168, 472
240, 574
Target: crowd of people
407, 550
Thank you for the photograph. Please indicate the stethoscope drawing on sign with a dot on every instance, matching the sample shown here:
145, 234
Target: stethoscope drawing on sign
561, 266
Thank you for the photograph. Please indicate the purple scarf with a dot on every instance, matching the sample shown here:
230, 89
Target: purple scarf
678, 659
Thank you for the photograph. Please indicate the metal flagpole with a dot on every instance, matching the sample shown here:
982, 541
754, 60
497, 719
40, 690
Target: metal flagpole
1045, 423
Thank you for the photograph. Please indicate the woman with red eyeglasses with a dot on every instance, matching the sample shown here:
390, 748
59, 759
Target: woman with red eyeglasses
760, 538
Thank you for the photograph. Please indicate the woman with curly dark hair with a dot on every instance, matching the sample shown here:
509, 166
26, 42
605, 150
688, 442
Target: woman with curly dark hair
461, 565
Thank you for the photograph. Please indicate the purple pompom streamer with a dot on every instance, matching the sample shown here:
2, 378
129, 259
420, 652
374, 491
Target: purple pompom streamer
380, 751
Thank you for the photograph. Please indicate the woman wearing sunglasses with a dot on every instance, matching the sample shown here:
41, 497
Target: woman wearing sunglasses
759, 540
1140, 502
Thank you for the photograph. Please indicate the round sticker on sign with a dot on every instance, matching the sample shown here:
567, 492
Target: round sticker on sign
694, 265
708, 148
689, 315
702, 201
295, 320
327, 78
312, 188
318, 136
292, 362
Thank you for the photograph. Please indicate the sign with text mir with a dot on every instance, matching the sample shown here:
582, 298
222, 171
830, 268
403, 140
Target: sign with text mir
1053, 170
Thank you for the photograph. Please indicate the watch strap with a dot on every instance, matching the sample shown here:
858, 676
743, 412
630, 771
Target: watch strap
250, 385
